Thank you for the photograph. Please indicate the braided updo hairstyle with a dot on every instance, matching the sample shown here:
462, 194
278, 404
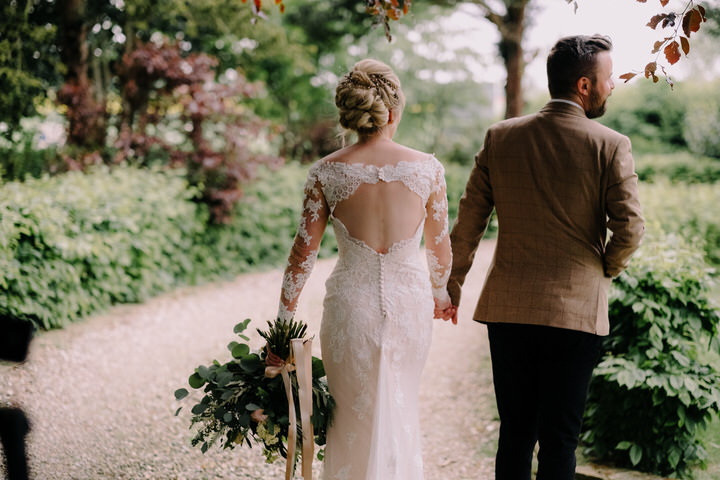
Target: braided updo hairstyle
365, 96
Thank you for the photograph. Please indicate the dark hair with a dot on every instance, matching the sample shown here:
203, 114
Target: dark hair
572, 58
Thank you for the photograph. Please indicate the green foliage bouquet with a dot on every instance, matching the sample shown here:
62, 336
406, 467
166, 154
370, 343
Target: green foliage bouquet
242, 405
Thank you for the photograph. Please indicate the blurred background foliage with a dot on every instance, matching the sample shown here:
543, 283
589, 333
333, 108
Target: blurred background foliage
146, 145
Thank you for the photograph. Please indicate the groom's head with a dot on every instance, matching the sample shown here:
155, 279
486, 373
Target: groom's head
579, 68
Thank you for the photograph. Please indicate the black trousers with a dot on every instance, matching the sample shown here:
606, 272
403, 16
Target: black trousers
541, 376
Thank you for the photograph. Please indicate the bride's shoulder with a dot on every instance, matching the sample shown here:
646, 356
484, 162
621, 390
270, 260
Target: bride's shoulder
412, 155
334, 158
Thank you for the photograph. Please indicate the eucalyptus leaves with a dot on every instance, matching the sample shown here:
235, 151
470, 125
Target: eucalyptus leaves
242, 406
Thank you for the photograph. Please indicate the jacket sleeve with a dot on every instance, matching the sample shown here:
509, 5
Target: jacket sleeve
313, 220
624, 214
476, 206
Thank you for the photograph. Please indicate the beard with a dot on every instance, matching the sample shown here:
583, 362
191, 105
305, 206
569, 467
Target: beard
598, 105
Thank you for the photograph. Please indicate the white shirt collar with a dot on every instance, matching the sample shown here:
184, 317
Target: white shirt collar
563, 100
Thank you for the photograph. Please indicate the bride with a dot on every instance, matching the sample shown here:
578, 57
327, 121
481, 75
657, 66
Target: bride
377, 321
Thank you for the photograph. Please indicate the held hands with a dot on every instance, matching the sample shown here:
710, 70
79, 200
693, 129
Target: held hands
446, 311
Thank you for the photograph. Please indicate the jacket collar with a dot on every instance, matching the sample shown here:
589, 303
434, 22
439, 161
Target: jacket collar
564, 108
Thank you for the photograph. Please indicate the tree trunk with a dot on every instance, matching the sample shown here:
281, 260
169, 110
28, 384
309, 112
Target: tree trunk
512, 31
86, 116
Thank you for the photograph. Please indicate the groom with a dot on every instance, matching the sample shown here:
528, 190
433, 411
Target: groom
558, 182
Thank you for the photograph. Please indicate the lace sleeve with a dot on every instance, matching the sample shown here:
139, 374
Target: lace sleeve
437, 239
304, 251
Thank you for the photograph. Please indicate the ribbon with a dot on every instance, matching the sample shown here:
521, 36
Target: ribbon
303, 363
303, 366
284, 370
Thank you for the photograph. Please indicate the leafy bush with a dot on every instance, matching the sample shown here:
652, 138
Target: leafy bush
690, 210
702, 122
657, 385
77, 243
653, 119
21, 158
73, 244
261, 230
456, 176
677, 167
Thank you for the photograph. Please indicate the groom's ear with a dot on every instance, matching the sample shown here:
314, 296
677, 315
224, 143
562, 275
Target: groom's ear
583, 86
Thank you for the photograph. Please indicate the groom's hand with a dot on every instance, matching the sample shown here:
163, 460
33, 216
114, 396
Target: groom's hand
448, 313
454, 316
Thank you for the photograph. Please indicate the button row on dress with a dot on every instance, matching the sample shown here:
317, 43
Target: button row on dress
382, 287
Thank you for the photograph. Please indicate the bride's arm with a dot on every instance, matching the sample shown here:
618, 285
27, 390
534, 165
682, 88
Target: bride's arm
437, 240
304, 251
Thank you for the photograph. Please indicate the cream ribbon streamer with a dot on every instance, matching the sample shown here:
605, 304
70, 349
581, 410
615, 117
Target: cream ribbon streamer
303, 366
285, 370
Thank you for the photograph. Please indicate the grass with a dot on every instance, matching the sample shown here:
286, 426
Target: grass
711, 439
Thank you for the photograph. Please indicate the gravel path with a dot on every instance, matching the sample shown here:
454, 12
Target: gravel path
100, 392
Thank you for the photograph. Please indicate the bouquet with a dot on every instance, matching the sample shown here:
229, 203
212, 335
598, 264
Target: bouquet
247, 403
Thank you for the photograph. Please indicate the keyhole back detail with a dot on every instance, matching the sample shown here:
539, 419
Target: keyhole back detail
381, 214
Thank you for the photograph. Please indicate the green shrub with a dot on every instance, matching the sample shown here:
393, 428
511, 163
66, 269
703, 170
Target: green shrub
456, 176
262, 228
677, 167
21, 160
689, 210
652, 117
657, 385
77, 243
702, 121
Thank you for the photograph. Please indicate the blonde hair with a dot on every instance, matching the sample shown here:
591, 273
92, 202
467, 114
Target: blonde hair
365, 96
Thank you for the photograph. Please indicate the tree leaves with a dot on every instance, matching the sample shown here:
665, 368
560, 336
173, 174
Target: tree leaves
692, 20
650, 69
667, 19
627, 76
672, 52
676, 44
685, 45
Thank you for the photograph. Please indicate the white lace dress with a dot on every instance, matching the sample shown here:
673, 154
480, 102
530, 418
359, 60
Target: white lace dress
377, 320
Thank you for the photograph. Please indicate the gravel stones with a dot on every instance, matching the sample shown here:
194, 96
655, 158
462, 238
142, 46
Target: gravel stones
99, 393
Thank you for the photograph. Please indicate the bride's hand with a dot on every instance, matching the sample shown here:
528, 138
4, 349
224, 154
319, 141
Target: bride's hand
272, 360
445, 310
449, 313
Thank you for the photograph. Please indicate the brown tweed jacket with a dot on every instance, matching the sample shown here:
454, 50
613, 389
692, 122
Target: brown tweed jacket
558, 182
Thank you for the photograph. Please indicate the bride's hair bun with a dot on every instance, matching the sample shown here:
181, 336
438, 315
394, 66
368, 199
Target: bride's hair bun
365, 96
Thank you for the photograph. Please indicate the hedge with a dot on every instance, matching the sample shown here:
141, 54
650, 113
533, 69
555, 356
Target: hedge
677, 167
75, 244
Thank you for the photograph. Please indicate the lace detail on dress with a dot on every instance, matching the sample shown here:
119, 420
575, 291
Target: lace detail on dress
439, 273
339, 180
303, 254
438, 254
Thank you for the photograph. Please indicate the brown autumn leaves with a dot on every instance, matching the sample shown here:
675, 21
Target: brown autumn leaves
689, 20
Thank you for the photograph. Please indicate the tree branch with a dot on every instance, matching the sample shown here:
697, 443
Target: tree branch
493, 16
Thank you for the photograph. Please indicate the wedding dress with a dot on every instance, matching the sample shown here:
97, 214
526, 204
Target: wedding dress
377, 320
